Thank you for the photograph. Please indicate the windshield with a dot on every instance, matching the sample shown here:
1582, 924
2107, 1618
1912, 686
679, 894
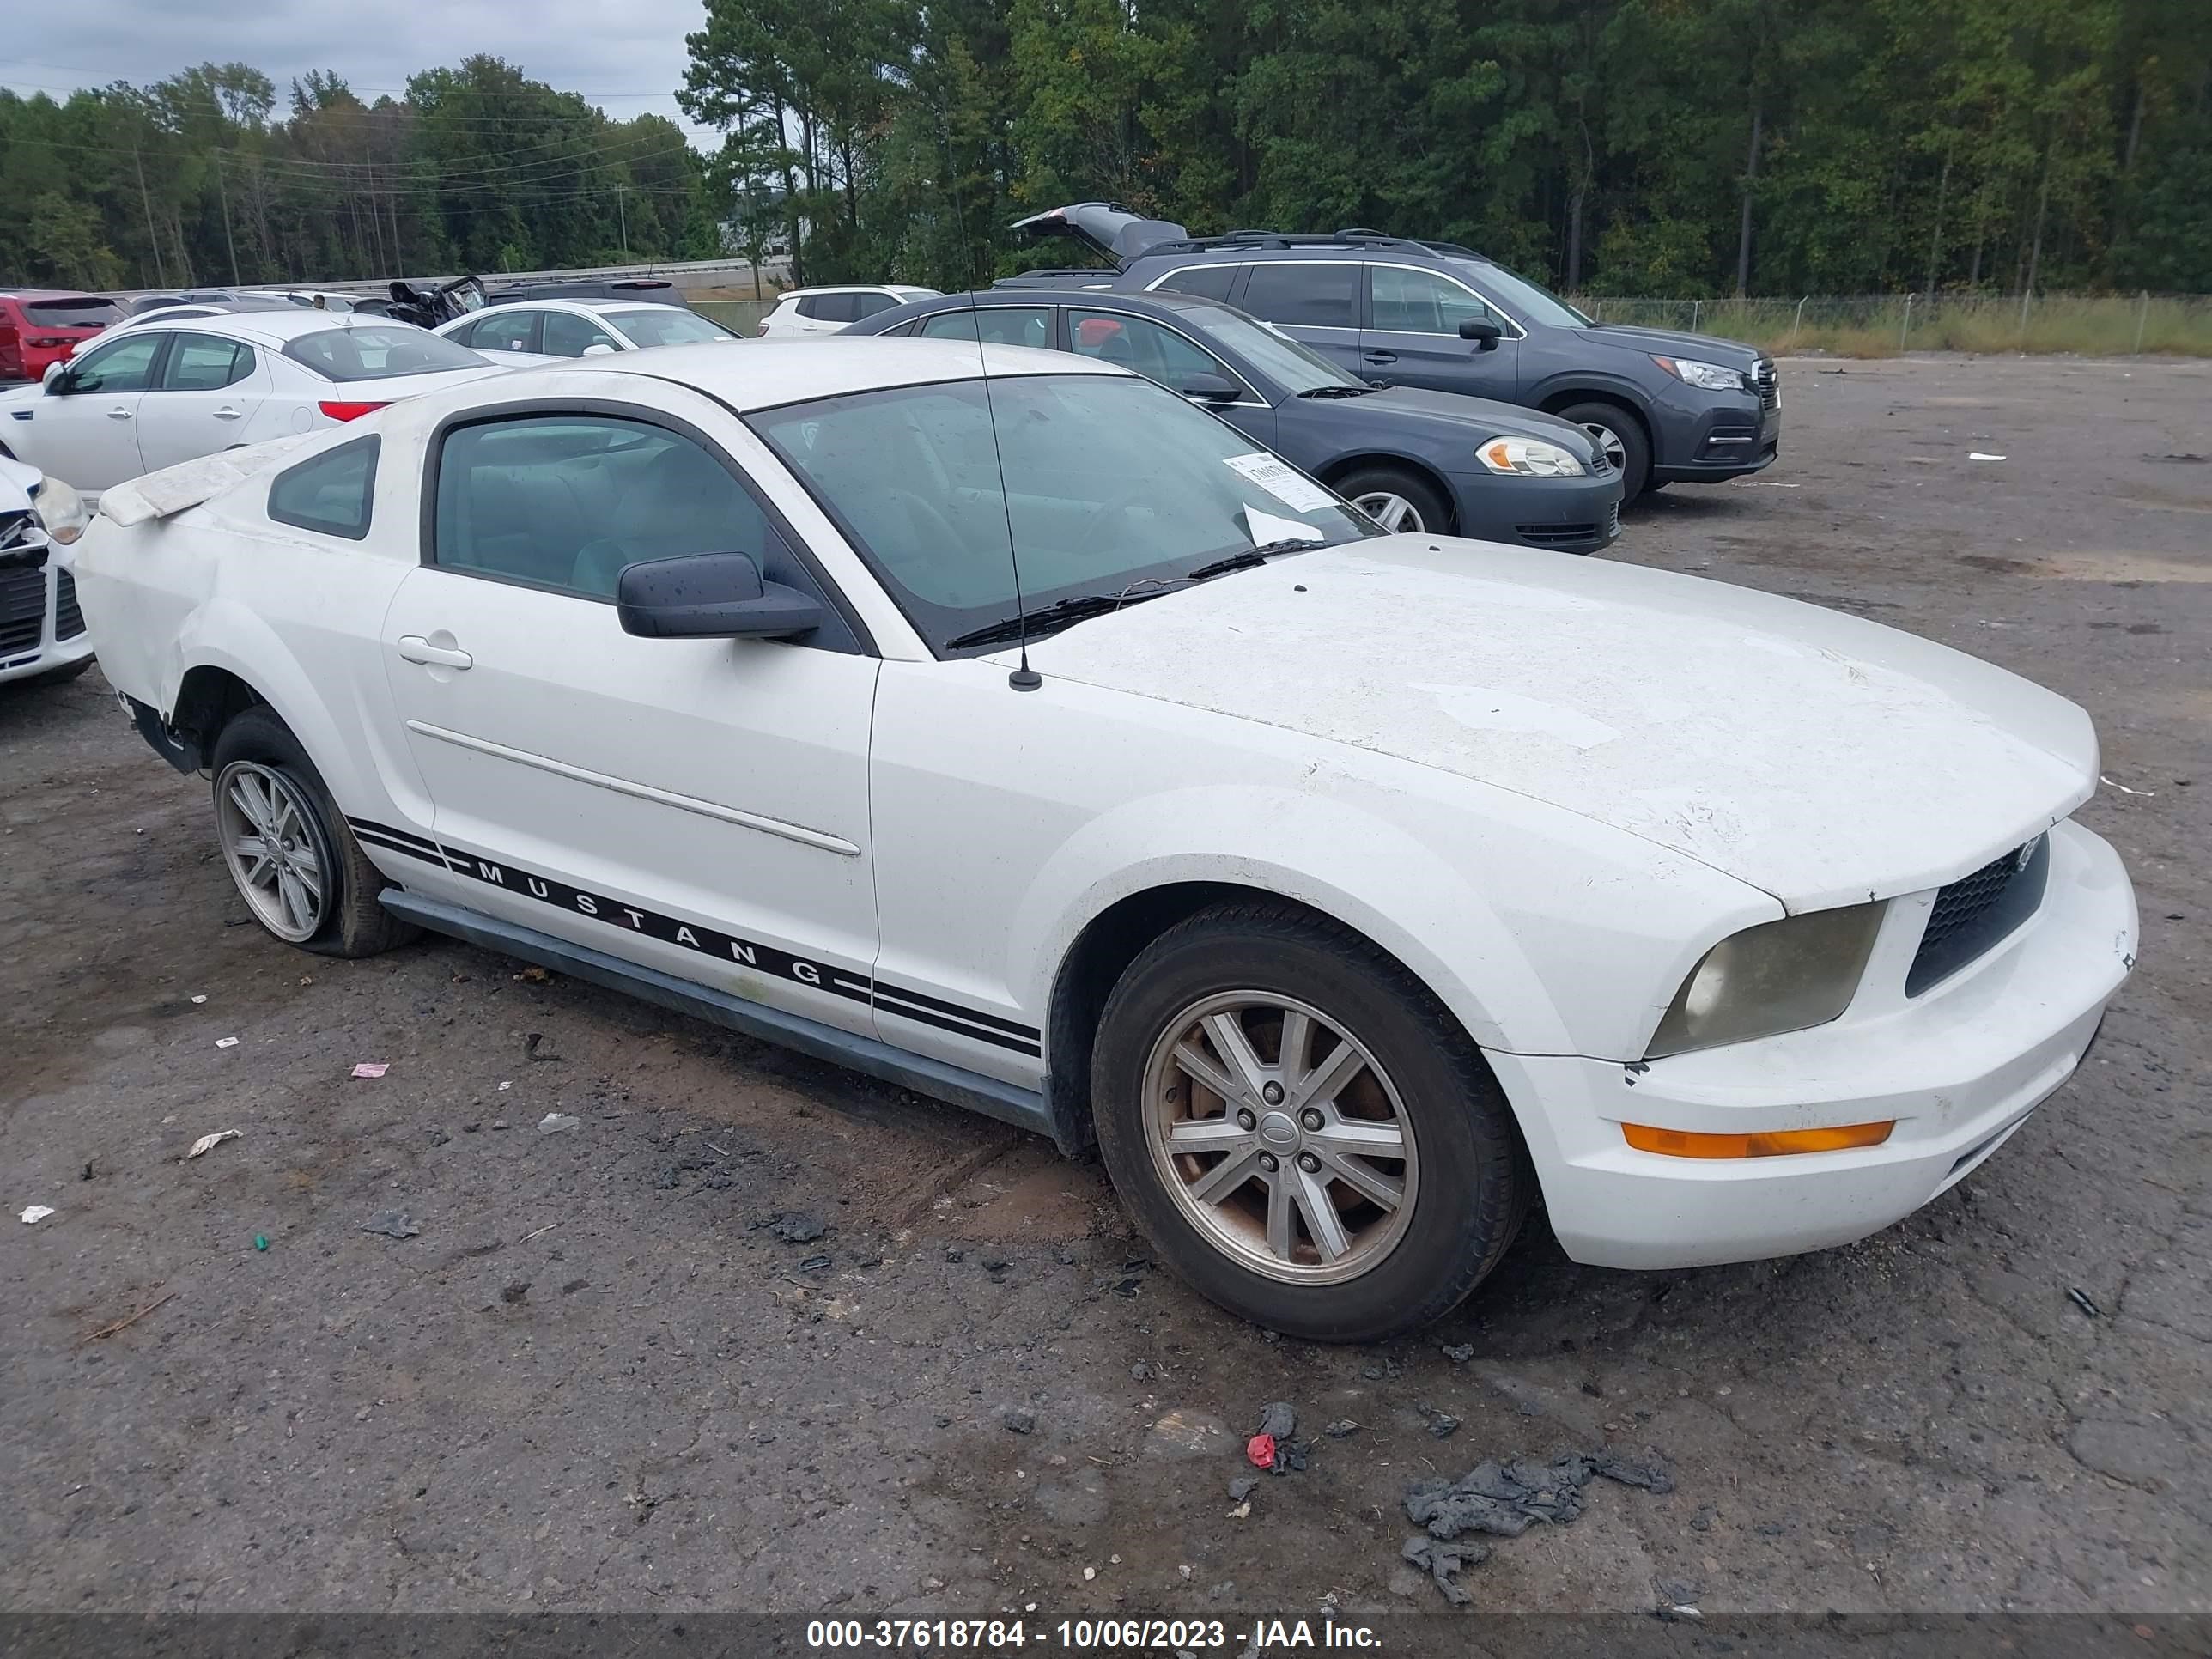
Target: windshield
1113, 485
1298, 368
667, 326
377, 352
1534, 303
87, 312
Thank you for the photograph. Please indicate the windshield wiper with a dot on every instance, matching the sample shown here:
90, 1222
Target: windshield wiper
1338, 390
1251, 558
1057, 615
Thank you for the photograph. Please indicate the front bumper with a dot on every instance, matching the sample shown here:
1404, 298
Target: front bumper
1570, 515
1714, 438
1959, 1068
41, 627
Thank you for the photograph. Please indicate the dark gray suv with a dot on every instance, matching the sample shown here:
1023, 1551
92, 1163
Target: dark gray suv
1667, 408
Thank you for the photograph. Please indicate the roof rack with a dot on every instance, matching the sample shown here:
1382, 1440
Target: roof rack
1356, 236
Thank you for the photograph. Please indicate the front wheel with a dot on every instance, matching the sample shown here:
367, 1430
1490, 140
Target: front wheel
1299, 1129
1397, 499
1620, 435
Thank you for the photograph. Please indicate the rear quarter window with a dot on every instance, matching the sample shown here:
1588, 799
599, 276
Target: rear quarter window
329, 494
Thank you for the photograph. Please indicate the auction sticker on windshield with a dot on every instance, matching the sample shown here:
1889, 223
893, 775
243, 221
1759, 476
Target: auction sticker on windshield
1282, 481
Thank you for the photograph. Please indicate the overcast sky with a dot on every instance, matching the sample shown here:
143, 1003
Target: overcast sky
625, 56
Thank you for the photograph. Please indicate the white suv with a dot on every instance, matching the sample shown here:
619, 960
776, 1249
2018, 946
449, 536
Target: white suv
803, 311
1038, 743
42, 632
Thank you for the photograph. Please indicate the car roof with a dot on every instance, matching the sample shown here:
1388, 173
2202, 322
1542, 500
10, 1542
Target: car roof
770, 373
850, 287
52, 293
276, 327
986, 299
588, 307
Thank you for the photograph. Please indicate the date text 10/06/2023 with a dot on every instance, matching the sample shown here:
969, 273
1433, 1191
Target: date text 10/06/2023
1088, 1635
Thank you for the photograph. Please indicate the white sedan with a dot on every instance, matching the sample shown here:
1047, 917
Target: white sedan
538, 329
1352, 892
151, 394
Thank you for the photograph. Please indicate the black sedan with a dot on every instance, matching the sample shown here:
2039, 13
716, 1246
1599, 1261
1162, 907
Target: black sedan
1411, 460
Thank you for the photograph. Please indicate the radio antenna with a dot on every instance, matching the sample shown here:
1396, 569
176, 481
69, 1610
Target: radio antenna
1024, 678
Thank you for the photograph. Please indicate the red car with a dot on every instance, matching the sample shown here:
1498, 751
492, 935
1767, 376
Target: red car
39, 326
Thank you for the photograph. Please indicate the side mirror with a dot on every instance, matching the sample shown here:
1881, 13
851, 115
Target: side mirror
56, 379
709, 596
598, 348
1485, 335
1206, 389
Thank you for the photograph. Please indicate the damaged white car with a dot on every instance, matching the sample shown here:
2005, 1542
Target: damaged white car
1350, 891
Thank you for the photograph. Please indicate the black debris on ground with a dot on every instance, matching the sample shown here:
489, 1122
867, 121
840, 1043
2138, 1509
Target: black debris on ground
1020, 1422
815, 1264
1242, 1487
1443, 1424
1343, 1429
393, 1224
797, 1227
1442, 1562
1505, 1498
514, 1293
1459, 1352
1281, 1420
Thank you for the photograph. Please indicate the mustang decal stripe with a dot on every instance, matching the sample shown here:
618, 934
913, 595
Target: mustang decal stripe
708, 941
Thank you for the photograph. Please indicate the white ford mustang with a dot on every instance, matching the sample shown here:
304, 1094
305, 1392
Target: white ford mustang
1350, 891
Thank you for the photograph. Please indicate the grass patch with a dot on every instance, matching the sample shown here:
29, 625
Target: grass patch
2096, 326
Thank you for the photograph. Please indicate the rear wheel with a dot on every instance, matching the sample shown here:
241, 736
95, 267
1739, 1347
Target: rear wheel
287, 846
1620, 435
1298, 1128
1397, 499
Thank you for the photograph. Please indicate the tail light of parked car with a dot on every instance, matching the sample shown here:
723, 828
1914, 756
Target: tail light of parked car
349, 411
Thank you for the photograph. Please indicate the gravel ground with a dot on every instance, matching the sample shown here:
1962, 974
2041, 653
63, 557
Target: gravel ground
602, 1377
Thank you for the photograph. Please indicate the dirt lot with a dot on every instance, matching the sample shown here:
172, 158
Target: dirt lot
595, 1380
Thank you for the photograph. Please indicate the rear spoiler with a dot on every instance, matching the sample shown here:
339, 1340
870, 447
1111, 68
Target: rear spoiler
165, 494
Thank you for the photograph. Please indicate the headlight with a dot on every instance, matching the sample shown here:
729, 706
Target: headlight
1707, 377
1779, 976
1532, 458
60, 509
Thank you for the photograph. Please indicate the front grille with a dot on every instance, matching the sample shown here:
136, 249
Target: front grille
1765, 383
22, 611
1973, 913
1555, 535
69, 620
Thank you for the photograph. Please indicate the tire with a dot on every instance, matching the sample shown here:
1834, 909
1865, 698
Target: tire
262, 774
63, 675
1621, 435
1462, 1178
1373, 489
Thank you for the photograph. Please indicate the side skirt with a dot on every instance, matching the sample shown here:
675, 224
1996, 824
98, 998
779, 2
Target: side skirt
1008, 1102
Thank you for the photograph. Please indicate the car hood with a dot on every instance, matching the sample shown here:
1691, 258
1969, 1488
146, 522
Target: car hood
1466, 414
1822, 758
1668, 342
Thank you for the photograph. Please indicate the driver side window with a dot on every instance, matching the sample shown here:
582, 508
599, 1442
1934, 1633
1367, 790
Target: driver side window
119, 366
568, 335
1403, 301
1152, 350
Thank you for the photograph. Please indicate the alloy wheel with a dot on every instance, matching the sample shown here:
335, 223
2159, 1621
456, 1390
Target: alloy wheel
1281, 1137
1616, 452
1394, 513
274, 849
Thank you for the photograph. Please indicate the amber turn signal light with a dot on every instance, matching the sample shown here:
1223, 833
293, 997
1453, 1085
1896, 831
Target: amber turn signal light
1773, 1143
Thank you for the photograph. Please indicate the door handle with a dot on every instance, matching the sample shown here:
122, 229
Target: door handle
229, 415
118, 414
413, 647
1382, 357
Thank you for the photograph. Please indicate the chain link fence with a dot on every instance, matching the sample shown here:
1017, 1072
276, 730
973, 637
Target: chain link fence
1866, 325
1882, 325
